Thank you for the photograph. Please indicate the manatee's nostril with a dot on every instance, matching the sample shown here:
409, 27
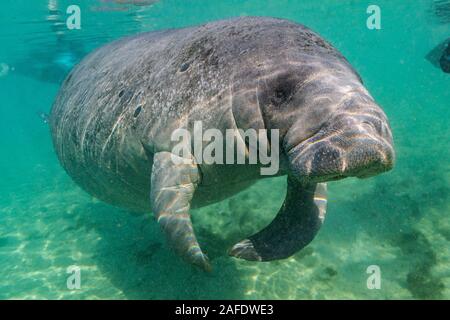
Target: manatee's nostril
280, 93
369, 125
375, 125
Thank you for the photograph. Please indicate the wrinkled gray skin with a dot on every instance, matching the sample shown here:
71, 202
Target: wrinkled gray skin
115, 113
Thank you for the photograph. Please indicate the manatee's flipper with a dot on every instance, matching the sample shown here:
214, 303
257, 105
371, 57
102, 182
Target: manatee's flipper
172, 187
294, 227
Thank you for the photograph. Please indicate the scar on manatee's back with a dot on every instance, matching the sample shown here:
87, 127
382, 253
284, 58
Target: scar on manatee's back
137, 111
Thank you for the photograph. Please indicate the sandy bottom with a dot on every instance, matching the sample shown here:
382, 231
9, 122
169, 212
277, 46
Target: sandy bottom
387, 221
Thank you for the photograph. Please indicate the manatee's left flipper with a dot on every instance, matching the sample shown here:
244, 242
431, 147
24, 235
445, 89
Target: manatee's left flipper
172, 187
294, 227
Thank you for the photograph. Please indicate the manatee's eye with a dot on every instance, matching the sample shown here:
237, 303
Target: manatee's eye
284, 88
281, 95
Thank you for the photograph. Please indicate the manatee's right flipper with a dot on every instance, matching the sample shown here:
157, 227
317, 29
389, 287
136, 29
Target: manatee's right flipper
294, 227
172, 187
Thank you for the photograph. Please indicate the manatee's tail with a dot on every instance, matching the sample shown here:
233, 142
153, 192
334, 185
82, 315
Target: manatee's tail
294, 227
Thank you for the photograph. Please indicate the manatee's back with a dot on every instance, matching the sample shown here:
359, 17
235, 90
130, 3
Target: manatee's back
93, 120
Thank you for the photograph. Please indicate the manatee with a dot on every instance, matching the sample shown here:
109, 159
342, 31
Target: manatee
440, 56
113, 119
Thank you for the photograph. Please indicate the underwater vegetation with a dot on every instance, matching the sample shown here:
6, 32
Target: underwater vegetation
420, 281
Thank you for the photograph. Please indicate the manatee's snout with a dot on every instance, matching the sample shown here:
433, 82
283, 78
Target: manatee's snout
351, 144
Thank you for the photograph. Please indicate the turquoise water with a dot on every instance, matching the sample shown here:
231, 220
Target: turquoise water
398, 221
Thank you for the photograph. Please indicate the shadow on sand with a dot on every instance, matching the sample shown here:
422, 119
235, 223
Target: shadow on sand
132, 254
